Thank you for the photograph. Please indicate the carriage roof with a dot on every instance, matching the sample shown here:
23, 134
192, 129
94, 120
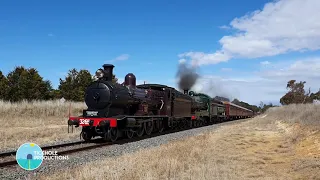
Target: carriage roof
232, 104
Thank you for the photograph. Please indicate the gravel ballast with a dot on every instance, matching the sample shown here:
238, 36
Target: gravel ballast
79, 158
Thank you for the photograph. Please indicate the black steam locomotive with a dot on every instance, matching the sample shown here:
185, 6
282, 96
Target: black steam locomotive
128, 109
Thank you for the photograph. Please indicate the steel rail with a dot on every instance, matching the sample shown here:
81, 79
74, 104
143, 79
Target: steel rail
13, 153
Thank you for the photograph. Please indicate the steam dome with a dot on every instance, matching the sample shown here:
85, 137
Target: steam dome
130, 80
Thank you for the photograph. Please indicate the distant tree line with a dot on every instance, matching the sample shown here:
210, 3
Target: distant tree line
296, 95
220, 98
27, 84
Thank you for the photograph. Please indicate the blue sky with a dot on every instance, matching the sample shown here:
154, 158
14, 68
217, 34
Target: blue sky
237, 52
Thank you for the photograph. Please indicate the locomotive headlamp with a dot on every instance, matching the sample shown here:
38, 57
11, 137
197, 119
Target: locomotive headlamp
99, 73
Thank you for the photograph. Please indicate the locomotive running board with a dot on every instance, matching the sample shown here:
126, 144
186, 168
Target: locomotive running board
155, 116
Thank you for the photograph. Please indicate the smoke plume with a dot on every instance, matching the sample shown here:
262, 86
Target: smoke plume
187, 76
215, 87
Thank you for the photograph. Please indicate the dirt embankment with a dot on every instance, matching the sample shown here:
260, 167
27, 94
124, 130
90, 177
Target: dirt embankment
283, 143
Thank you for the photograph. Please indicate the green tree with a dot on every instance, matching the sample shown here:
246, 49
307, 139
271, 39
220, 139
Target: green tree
74, 85
27, 84
236, 101
221, 98
315, 96
4, 88
265, 107
261, 105
296, 93
55, 94
114, 79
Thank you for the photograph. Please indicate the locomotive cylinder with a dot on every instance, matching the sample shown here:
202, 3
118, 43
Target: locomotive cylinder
131, 122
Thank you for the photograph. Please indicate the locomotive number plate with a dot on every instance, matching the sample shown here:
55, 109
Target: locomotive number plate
92, 113
84, 121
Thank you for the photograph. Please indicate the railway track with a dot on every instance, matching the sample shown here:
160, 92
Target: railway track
13, 161
8, 158
13, 153
97, 144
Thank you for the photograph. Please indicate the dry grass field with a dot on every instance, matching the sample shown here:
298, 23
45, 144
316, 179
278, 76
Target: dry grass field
40, 122
283, 143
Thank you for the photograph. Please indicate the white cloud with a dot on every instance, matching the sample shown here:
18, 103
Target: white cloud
224, 27
307, 68
280, 27
200, 58
265, 63
267, 85
50, 35
122, 57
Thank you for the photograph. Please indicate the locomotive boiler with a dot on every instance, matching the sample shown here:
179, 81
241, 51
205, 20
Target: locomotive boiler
106, 99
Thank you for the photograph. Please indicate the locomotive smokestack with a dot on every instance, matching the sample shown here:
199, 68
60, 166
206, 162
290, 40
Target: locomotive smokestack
108, 71
187, 77
185, 91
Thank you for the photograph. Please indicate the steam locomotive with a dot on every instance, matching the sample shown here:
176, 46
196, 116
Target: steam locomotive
128, 109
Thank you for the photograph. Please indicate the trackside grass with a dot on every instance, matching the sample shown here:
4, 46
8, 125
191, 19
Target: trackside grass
38, 121
304, 114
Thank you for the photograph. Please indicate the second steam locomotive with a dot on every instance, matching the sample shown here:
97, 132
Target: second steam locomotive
128, 109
